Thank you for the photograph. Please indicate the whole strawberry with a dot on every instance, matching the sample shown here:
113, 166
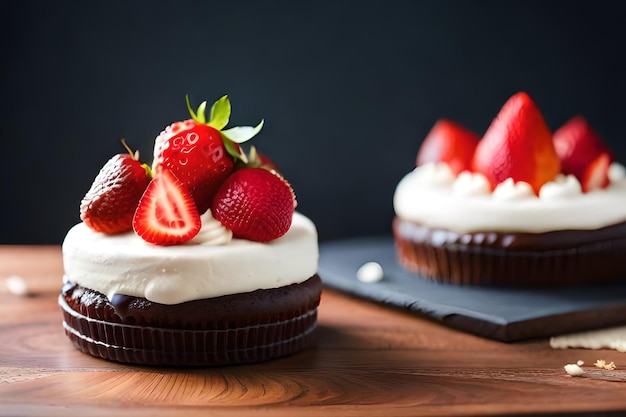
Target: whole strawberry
255, 204
199, 153
517, 145
448, 142
110, 203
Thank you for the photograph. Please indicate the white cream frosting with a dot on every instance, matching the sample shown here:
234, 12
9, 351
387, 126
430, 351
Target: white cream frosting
210, 265
212, 232
433, 196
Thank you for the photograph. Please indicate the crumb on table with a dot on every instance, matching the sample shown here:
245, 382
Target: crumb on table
17, 285
601, 363
573, 369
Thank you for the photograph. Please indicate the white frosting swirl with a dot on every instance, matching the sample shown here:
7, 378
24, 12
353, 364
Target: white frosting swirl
431, 195
210, 265
212, 231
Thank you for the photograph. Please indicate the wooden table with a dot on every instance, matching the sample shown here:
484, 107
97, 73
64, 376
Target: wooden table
368, 360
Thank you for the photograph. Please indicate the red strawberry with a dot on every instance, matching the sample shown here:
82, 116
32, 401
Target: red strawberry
255, 204
517, 145
196, 154
450, 143
110, 203
596, 174
199, 153
166, 214
577, 145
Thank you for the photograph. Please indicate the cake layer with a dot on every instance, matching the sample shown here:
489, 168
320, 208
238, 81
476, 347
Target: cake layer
239, 328
254, 307
516, 259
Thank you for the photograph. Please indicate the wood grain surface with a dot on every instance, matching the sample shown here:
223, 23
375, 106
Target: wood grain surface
368, 360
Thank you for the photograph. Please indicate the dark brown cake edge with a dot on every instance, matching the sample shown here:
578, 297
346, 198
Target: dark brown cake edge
567, 257
221, 312
233, 341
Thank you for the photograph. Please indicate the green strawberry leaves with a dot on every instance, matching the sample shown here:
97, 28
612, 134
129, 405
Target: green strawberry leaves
220, 113
198, 117
218, 119
241, 134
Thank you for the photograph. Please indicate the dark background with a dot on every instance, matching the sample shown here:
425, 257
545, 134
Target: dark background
348, 89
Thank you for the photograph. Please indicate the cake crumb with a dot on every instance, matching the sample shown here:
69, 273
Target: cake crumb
606, 371
17, 285
601, 363
370, 272
573, 369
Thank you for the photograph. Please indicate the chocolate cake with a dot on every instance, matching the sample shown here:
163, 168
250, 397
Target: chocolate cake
197, 260
519, 206
230, 329
512, 259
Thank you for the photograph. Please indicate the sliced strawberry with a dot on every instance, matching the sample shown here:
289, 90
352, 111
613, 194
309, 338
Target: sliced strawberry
596, 175
109, 205
448, 142
255, 204
166, 214
517, 145
578, 145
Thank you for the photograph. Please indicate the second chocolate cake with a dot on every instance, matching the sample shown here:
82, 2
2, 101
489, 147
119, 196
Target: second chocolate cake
518, 207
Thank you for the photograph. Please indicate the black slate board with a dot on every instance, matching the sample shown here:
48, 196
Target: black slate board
505, 314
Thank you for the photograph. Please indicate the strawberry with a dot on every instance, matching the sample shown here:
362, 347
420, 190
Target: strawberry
199, 153
255, 204
596, 174
110, 203
450, 143
578, 145
517, 145
166, 214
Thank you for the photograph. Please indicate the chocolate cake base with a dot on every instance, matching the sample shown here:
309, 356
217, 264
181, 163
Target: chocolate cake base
512, 259
226, 330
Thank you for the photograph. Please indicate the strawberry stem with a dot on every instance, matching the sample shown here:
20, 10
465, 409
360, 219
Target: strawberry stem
135, 154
